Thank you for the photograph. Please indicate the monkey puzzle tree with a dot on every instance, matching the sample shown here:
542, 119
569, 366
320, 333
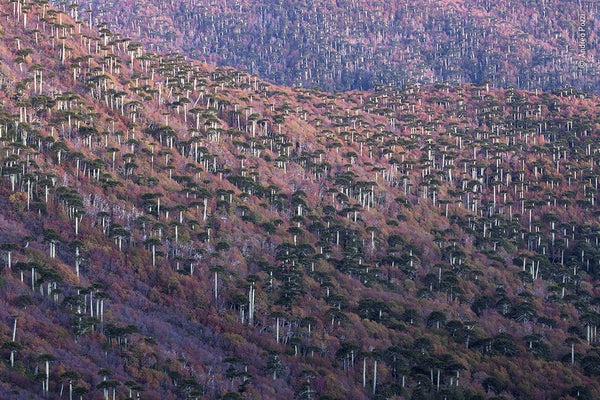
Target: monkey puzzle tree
52, 237
9, 248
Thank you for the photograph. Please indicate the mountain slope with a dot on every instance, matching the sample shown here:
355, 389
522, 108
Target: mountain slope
340, 45
183, 231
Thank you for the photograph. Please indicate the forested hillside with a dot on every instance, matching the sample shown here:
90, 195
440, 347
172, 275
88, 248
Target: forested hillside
170, 230
339, 45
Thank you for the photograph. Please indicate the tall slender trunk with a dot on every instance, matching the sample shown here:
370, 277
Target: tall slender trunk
374, 376
364, 377
216, 287
47, 375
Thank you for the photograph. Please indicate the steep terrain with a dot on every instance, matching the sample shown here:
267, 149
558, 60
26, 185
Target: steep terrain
170, 230
358, 44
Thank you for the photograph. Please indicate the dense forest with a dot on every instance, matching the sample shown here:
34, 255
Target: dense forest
350, 44
172, 230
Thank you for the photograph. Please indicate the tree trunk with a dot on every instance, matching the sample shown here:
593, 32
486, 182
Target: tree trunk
216, 289
374, 376
364, 372
251, 305
77, 261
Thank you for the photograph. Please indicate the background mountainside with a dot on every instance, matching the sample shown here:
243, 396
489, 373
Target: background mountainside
339, 45
172, 230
